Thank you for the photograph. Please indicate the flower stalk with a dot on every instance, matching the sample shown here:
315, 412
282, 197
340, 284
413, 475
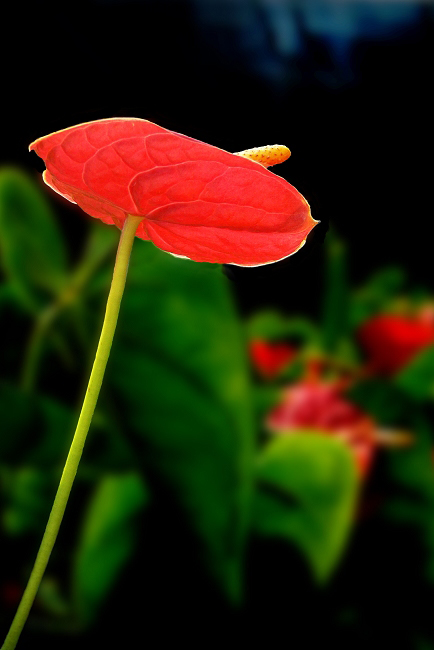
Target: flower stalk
92, 392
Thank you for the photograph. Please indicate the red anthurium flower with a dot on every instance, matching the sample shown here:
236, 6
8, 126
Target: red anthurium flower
269, 359
312, 405
197, 200
391, 341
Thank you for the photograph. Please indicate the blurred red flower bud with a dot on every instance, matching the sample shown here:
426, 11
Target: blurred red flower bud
197, 200
316, 406
269, 359
390, 341
10, 593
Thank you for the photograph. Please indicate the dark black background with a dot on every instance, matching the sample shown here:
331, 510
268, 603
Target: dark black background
358, 125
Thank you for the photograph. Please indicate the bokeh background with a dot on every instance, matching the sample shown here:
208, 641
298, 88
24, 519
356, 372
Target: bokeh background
346, 86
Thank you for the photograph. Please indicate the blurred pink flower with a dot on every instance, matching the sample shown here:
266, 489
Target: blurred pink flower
320, 406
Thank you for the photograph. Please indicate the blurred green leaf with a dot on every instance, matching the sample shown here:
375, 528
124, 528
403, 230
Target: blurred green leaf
101, 244
26, 494
107, 448
410, 500
32, 248
265, 398
376, 294
306, 493
407, 473
411, 469
106, 541
271, 325
417, 377
17, 413
8, 296
384, 401
73, 316
37, 432
335, 324
52, 433
178, 370
50, 597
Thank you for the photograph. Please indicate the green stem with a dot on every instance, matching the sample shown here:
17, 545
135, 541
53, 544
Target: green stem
33, 352
91, 397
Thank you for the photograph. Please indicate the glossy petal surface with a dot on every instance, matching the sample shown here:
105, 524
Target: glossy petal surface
197, 200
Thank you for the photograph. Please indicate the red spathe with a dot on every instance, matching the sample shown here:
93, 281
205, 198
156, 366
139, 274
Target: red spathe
197, 200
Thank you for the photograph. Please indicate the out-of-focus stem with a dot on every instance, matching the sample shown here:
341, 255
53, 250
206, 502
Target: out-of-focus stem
44, 320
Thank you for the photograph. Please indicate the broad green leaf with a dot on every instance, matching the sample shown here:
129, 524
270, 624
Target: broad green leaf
306, 493
32, 249
106, 540
417, 377
178, 372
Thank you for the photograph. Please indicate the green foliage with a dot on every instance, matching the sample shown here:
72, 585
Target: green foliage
417, 377
335, 318
376, 294
92, 275
177, 418
26, 494
108, 535
37, 430
383, 400
306, 494
265, 398
32, 249
178, 368
8, 298
270, 325
411, 499
407, 472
